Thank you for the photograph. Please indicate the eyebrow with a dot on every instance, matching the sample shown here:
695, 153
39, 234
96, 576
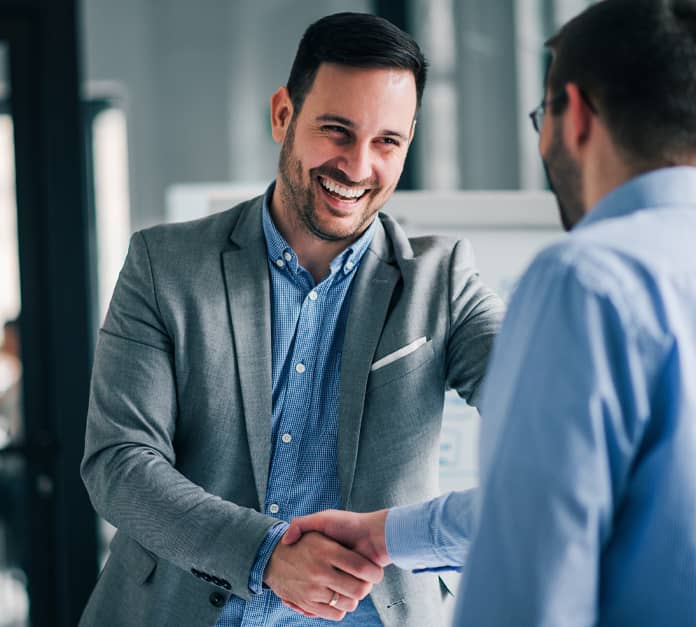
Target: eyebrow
330, 117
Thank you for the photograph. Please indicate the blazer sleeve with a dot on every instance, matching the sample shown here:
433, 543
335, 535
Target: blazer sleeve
129, 464
476, 314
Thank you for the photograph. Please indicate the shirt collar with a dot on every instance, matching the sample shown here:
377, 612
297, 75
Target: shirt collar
280, 251
666, 187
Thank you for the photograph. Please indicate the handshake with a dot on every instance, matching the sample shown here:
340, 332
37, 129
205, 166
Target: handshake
327, 562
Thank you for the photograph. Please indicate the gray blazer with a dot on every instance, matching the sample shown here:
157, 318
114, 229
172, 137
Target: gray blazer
178, 437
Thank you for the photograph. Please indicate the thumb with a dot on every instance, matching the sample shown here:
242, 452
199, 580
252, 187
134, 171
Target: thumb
303, 524
293, 533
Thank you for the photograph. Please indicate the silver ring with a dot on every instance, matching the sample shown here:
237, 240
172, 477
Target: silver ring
334, 600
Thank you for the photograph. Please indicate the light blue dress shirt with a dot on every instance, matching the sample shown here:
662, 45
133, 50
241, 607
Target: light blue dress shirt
586, 513
308, 321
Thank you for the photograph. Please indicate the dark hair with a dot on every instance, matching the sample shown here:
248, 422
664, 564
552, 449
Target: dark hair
635, 60
355, 40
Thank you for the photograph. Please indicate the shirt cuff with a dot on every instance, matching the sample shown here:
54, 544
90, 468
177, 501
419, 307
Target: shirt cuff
264, 553
431, 536
408, 537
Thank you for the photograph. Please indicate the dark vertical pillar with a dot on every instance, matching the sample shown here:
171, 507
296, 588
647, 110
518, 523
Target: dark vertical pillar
71, 301
54, 233
397, 12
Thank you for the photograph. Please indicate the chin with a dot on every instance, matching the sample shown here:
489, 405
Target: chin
338, 227
335, 234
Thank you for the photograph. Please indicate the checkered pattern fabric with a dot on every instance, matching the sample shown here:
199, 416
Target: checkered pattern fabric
308, 326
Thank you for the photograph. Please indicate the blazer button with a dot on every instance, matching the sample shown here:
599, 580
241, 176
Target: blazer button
217, 599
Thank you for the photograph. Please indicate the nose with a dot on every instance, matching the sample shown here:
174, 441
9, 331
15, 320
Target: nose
358, 162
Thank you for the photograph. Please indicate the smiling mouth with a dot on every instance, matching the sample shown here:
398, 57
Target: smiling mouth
346, 194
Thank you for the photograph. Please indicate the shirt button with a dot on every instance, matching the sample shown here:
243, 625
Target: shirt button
288, 256
287, 438
349, 265
280, 263
313, 295
300, 368
273, 508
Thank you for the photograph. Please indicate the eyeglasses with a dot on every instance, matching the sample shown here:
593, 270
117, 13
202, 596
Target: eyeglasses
537, 115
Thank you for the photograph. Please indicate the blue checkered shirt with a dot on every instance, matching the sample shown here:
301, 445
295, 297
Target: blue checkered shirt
308, 322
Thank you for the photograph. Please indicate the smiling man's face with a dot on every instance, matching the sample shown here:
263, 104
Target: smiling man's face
343, 154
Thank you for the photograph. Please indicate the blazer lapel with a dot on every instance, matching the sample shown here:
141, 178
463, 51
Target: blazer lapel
248, 297
369, 303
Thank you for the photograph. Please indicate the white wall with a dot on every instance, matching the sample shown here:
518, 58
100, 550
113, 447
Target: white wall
195, 78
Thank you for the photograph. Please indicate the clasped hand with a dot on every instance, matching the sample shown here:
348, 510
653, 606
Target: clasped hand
328, 562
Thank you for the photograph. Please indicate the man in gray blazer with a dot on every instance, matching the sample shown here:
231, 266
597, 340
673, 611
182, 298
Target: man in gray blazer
283, 357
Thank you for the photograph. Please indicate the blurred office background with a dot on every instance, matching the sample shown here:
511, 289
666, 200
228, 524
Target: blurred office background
108, 110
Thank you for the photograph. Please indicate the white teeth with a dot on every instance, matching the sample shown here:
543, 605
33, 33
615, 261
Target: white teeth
345, 192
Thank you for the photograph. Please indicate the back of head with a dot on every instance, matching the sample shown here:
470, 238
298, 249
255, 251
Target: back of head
356, 40
636, 62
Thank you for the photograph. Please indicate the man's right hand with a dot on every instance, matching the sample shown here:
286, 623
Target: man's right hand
364, 533
305, 575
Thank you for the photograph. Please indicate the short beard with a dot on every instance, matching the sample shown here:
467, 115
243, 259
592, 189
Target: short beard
299, 201
565, 180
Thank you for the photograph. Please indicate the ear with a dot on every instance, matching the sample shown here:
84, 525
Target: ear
281, 113
580, 118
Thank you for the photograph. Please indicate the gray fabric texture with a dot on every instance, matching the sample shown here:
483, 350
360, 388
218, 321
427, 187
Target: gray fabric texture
179, 429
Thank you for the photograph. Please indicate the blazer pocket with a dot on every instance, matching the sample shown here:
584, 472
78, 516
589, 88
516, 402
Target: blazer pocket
138, 561
402, 366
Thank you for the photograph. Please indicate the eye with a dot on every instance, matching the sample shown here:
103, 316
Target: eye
335, 128
390, 141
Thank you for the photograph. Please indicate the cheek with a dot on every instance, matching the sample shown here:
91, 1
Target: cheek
544, 140
389, 172
312, 152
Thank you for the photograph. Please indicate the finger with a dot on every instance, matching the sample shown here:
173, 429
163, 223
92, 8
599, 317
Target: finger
355, 564
324, 610
344, 584
345, 604
318, 610
298, 609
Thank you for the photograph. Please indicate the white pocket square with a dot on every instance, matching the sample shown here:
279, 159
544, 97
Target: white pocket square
398, 354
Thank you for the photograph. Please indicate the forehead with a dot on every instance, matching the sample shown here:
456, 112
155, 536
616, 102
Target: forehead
371, 98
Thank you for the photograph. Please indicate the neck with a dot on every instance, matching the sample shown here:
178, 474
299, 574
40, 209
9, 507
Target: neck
313, 253
606, 168
599, 185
